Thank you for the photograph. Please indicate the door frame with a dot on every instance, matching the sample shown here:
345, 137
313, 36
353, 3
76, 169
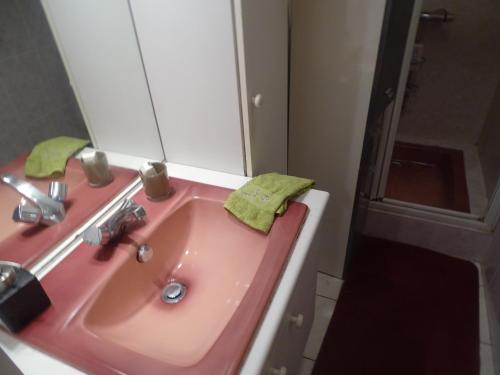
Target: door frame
392, 114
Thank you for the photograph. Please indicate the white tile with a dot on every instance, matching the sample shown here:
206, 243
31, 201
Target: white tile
478, 199
484, 329
328, 286
480, 272
486, 358
306, 366
322, 316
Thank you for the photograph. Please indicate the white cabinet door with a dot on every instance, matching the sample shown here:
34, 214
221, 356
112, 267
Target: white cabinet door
189, 54
99, 48
296, 323
262, 34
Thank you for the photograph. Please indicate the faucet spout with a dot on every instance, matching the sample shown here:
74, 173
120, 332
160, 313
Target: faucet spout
51, 211
128, 213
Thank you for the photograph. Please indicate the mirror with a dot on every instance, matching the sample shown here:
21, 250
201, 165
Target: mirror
37, 102
36, 99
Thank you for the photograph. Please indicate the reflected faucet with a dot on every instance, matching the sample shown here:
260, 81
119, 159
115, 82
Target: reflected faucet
128, 213
35, 207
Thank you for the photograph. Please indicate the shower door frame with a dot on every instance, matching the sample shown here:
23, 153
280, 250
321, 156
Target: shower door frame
485, 222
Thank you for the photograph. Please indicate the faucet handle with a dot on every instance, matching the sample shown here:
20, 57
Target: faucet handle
139, 212
95, 236
128, 213
52, 212
128, 207
58, 191
26, 213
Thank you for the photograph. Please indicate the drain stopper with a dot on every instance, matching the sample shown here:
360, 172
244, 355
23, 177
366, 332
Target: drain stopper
173, 292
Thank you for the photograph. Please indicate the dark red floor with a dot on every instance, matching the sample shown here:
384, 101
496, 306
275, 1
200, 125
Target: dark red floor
428, 175
404, 311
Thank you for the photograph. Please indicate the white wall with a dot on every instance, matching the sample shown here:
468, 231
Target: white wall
99, 48
488, 145
492, 290
454, 240
457, 82
334, 51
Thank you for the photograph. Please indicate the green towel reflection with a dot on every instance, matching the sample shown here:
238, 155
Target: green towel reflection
48, 158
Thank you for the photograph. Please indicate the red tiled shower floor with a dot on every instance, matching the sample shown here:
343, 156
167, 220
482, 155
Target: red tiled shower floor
428, 175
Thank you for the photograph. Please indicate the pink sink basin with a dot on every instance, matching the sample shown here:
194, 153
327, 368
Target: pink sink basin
107, 314
200, 246
25, 243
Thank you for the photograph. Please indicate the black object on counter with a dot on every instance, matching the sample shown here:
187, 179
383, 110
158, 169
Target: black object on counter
22, 300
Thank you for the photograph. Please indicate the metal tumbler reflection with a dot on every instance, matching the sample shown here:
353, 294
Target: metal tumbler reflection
95, 165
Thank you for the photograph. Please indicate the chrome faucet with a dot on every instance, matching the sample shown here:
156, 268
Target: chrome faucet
128, 213
35, 207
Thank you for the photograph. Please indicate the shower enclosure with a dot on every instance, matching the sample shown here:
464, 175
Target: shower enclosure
439, 150
429, 174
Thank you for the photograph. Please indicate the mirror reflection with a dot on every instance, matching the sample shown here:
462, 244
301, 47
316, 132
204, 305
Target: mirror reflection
36, 98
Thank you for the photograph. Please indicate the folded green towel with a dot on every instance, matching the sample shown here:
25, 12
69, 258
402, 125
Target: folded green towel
258, 201
50, 156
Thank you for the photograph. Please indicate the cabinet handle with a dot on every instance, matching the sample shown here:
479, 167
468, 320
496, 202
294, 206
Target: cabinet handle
277, 371
257, 101
297, 320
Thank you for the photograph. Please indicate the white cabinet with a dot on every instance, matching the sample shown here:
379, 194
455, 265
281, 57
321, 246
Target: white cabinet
98, 45
200, 83
286, 353
262, 40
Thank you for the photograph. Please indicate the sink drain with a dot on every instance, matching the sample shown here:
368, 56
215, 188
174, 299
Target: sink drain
173, 292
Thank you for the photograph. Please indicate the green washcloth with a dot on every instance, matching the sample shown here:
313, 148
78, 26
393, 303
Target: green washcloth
258, 201
49, 157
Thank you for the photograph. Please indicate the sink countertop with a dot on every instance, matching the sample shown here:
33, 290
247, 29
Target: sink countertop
32, 361
27, 244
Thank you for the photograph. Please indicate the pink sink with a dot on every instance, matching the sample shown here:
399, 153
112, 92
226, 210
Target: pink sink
107, 315
25, 243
